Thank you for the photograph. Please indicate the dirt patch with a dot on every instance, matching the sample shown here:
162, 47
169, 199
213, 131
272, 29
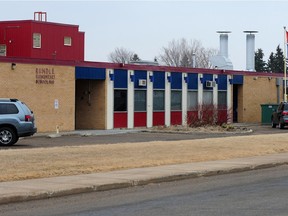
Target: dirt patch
61, 161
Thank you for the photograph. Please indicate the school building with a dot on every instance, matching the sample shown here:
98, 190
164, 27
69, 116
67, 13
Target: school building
42, 64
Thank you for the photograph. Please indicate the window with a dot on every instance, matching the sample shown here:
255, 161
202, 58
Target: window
120, 100
158, 100
36, 40
176, 100
192, 100
67, 41
8, 109
208, 97
2, 50
222, 100
140, 100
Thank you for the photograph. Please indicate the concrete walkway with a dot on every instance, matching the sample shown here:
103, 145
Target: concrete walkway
86, 133
59, 186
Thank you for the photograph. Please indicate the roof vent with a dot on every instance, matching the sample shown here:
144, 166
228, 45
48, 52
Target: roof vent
40, 16
250, 50
222, 61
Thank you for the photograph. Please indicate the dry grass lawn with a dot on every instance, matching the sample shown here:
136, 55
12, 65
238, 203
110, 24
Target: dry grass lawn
59, 161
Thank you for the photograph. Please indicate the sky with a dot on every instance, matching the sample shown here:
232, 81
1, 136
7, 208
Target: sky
145, 27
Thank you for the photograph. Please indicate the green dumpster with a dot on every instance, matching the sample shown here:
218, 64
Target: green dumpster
267, 110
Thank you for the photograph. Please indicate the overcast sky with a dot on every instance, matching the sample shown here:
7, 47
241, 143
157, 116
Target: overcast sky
146, 26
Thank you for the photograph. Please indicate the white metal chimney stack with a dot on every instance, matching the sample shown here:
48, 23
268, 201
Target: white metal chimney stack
224, 43
250, 50
221, 60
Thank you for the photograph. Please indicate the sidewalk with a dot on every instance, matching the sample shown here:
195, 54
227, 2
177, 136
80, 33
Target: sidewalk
59, 186
86, 133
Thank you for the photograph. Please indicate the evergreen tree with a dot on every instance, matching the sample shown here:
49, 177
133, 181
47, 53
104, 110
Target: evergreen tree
279, 60
135, 57
270, 63
276, 61
260, 64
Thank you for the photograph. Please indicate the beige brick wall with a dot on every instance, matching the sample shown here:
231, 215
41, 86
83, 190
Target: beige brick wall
90, 108
91, 113
21, 83
255, 91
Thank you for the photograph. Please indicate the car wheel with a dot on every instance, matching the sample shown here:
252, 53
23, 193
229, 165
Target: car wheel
281, 126
8, 136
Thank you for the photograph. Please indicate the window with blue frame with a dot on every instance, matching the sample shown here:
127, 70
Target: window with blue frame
176, 100
158, 100
158, 92
207, 97
120, 100
222, 100
140, 100
192, 100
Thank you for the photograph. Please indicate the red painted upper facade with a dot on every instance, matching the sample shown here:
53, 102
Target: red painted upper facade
41, 40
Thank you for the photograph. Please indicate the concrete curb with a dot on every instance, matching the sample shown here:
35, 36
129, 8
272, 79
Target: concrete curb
86, 133
68, 185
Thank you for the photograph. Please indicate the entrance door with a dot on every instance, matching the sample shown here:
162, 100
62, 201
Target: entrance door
90, 104
235, 103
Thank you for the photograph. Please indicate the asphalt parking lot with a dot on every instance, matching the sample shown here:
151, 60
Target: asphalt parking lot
136, 136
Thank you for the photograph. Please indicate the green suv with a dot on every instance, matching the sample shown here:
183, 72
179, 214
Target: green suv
16, 120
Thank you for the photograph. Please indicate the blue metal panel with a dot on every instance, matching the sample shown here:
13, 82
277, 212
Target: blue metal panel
176, 80
159, 80
237, 79
139, 74
120, 78
90, 73
192, 81
206, 77
222, 82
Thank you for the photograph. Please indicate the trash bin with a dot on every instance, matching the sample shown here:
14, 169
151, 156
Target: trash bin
266, 112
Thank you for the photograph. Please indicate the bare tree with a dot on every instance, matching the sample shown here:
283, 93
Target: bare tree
179, 53
121, 55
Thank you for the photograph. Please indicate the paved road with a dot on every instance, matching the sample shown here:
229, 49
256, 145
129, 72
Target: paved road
260, 192
74, 140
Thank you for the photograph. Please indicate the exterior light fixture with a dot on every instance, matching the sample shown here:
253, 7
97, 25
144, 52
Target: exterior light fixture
151, 77
111, 75
186, 78
13, 66
201, 78
132, 77
169, 78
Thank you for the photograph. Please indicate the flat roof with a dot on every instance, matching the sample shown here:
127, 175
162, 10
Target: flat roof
38, 22
109, 65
